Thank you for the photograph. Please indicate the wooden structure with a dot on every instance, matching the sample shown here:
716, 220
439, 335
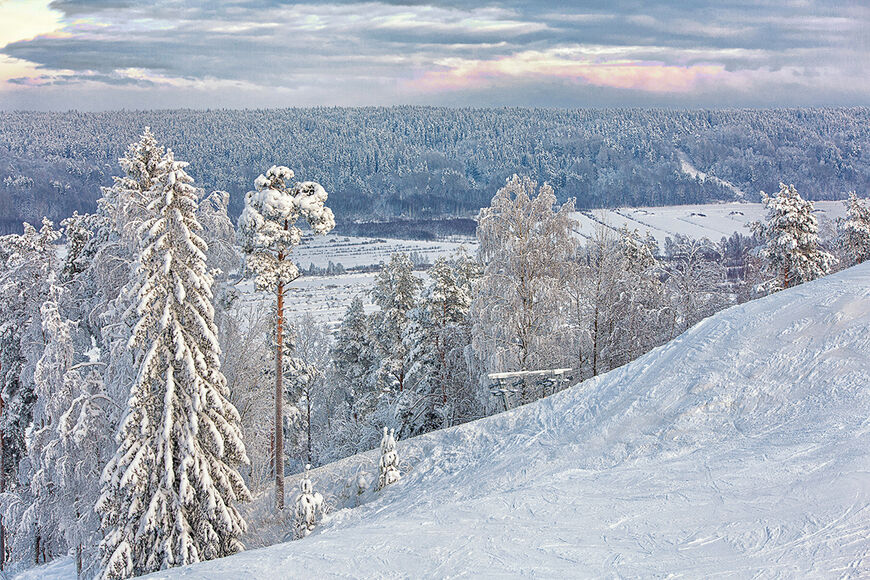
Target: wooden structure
505, 386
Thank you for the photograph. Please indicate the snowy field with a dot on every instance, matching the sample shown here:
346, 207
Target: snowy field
354, 251
712, 221
326, 298
740, 449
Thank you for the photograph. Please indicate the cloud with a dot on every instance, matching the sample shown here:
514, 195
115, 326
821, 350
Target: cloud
346, 52
572, 63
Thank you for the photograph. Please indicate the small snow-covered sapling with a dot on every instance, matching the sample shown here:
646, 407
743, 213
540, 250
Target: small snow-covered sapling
309, 504
389, 460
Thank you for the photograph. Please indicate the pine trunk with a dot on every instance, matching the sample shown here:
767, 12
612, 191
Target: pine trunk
279, 404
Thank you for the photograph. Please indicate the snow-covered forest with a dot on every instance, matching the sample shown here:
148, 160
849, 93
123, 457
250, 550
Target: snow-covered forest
148, 415
431, 162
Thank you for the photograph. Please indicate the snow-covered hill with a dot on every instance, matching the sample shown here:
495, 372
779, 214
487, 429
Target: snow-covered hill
740, 449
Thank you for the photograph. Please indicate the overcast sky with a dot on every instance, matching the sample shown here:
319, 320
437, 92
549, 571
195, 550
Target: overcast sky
109, 54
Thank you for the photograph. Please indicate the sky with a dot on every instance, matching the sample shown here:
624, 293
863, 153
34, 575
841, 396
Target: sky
112, 54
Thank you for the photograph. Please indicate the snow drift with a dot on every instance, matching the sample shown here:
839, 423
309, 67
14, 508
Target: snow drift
740, 448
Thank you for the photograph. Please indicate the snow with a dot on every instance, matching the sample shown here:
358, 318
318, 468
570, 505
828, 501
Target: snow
710, 221
57, 569
690, 170
355, 251
739, 449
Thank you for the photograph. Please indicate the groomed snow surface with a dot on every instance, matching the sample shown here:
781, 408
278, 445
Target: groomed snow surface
738, 450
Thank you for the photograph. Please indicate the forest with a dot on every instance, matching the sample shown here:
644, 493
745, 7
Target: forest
424, 162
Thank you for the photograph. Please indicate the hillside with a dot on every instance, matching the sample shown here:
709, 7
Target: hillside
740, 448
424, 162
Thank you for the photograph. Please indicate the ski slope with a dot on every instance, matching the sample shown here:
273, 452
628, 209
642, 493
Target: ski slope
739, 449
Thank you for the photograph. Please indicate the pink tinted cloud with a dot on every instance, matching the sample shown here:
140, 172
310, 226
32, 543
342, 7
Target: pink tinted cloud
649, 76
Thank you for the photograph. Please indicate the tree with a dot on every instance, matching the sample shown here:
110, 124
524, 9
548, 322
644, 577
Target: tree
524, 245
354, 363
309, 503
435, 340
123, 209
65, 447
28, 270
38, 525
389, 462
352, 353
170, 491
694, 279
82, 437
269, 233
637, 301
790, 234
395, 293
855, 230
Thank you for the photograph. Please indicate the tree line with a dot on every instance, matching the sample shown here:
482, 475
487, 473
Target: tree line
423, 162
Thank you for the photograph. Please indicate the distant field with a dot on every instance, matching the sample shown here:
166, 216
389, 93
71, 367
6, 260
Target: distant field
356, 251
327, 297
712, 221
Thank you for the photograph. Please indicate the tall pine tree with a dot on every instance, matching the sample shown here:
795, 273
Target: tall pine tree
269, 233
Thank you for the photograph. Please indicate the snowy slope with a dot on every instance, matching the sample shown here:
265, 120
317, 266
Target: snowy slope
741, 448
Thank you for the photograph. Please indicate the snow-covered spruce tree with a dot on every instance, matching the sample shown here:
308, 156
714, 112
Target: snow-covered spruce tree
124, 207
169, 492
309, 504
791, 250
395, 293
268, 231
855, 230
126, 202
28, 270
353, 363
524, 245
389, 462
435, 340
